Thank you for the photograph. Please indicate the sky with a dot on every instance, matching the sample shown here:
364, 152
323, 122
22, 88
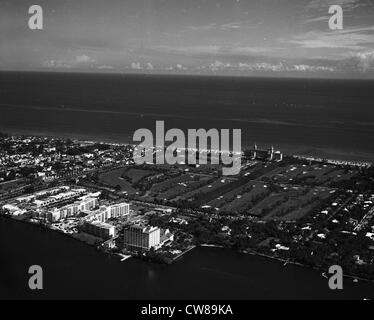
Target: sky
234, 37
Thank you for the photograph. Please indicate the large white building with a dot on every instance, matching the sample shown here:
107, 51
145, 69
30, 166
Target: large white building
141, 237
118, 210
88, 204
112, 211
14, 210
72, 210
95, 222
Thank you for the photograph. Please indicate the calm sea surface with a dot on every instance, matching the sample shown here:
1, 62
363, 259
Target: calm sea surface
332, 118
73, 270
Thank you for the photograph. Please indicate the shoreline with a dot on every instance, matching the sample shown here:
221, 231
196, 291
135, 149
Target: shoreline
337, 157
47, 229
285, 262
281, 260
183, 253
123, 257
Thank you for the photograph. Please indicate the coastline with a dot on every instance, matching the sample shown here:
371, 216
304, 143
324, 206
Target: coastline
46, 229
122, 258
287, 261
333, 156
282, 261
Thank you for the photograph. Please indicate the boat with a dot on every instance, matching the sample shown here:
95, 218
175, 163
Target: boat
124, 256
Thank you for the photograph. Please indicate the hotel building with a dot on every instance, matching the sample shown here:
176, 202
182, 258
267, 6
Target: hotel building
141, 237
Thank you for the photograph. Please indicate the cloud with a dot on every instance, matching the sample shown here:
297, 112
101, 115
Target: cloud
233, 26
206, 27
318, 19
105, 67
224, 27
77, 61
262, 66
149, 66
268, 67
189, 50
180, 67
84, 59
347, 5
352, 62
304, 68
56, 64
319, 7
351, 38
359, 61
136, 66
217, 65
209, 50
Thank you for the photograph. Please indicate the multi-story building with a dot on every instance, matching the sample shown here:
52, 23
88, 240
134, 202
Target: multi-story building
69, 210
99, 229
72, 210
54, 199
88, 204
53, 216
118, 210
25, 199
141, 237
99, 215
113, 211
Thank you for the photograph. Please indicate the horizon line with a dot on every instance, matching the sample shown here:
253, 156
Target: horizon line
269, 75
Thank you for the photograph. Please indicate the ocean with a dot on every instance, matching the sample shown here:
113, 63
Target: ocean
319, 117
